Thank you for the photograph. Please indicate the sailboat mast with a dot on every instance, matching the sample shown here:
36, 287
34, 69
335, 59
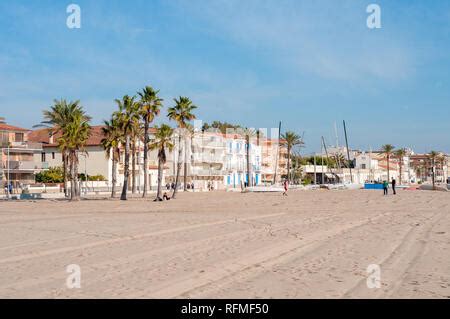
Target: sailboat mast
336, 133
348, 152
326, 153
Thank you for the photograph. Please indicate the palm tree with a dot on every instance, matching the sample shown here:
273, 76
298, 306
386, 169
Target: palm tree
387, 150
150, 106
181, 113
161, 143
290, 140
113, 138
127, 115
57, 120
433, 156
400, 154
74, 139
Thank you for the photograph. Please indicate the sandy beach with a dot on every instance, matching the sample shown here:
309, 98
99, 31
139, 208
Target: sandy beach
312, 244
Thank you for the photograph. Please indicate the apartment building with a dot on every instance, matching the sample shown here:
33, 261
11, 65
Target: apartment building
216, 160
207, 160
95, 161
236, 161
270, 150
422, 164
17, 156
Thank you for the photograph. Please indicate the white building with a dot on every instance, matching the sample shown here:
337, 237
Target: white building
236, 161
215, 160
95, 161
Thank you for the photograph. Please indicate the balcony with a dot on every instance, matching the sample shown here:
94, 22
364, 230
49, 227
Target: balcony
28, 147
208, 172
208, 143
24, 166
208, 158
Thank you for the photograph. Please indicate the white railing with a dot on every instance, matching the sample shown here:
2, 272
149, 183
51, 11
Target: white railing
24, 165
26, 145
208, 158
207, 172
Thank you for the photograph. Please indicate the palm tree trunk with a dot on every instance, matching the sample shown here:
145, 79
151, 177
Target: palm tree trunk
126, 173
65, 167
433, 176
185, 165
289, 164
146, 141
114, 173
178, 167
400, 168
75, 172
71, 176
248, 163
160, 173
133, 168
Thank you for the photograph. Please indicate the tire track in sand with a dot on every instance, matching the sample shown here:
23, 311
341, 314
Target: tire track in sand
259, 260
128, 238
396, 264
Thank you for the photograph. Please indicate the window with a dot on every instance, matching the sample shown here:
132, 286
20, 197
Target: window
42, 157
53, 155
363, 166
18, 137
4, 138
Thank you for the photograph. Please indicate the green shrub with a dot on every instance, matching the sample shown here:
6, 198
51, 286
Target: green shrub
93, 178
307, 181
52, 175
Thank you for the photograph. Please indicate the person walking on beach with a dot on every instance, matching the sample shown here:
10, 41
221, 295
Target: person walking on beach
394, 182
385, 187
286, 187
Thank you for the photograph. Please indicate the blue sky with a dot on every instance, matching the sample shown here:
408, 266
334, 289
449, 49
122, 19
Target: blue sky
252, 62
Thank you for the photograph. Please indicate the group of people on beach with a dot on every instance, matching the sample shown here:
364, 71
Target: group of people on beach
12, 187
386, 187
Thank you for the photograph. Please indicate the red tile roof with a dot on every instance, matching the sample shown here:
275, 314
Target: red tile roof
10, 128
42, 136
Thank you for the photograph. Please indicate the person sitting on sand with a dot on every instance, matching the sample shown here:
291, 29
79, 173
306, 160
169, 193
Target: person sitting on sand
286, 187
166, 197
385, 187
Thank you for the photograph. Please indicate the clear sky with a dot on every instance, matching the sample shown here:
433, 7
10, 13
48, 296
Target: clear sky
252, 62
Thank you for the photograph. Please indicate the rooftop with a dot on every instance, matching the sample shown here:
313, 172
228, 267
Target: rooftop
10, 128
43, 136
